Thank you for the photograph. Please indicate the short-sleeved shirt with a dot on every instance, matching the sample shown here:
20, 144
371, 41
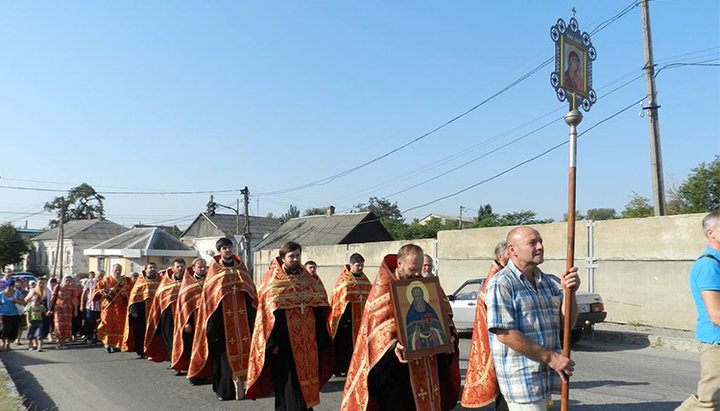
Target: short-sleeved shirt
705, 276
513, 303
35, 312
8, 306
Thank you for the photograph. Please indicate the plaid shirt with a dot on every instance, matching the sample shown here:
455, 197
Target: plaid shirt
513, 303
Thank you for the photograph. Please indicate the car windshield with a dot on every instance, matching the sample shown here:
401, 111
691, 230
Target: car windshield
468, 292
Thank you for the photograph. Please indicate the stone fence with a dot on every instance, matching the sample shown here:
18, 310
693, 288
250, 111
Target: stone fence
640, 265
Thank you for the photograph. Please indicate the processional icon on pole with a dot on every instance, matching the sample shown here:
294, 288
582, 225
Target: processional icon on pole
572, 81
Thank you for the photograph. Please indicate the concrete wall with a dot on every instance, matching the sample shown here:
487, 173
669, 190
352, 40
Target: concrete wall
642, 264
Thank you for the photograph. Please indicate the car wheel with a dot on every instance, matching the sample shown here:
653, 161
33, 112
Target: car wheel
576, 335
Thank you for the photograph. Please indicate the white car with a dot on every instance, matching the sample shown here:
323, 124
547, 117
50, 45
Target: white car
463, 301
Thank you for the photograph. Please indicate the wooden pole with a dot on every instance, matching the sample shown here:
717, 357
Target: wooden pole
572, 118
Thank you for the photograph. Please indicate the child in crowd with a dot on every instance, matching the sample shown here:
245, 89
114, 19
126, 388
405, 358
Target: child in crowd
35, 312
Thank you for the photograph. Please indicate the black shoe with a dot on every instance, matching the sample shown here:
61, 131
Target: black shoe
115, 349
141, 356
222, 399
108, 349
178, 373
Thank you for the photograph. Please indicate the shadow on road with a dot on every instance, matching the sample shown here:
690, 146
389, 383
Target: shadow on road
642, 406
333, 386
600, 346
603, 383
34, 396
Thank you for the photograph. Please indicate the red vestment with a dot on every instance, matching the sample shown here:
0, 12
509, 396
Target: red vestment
348, 290
113, 311
377, 335
165, 298
188, 301
297, 295
143, 290
481, 386
225, 288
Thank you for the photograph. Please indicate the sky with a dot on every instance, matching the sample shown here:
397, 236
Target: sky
209, 97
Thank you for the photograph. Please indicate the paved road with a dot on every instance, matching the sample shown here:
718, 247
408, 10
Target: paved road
608, 377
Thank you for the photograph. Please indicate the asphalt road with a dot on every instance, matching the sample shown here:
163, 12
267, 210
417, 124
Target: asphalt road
608, 377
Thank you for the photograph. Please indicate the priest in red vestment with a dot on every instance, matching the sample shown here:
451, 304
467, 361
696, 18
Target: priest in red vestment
347, 301
224, 324
188, 302
379, 377
159, 333
291, 352
139, 304
481, 386
113, 290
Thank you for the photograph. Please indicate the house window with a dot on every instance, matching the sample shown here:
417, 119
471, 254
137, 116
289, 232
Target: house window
100, 264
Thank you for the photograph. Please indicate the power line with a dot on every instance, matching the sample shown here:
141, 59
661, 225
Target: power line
555, 147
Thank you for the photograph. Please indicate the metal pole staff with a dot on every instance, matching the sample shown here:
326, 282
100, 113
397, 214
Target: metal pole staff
572, 118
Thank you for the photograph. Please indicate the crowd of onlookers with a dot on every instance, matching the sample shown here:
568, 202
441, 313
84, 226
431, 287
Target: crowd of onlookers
48, 310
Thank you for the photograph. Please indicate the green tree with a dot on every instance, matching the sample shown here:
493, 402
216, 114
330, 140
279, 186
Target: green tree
82, 202
700, 192
637, 207
292, 212
523, 217
396, 228
381, 207
486, 217
601, 214
314, 211
12, 246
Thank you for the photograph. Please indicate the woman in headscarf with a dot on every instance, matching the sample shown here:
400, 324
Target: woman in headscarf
64, 306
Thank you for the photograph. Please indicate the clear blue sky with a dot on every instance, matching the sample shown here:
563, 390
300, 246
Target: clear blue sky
175, 96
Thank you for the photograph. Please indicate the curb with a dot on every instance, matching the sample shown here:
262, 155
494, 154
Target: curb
643, 339
10, 383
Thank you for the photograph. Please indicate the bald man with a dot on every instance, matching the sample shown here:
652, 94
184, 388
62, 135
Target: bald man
524, 310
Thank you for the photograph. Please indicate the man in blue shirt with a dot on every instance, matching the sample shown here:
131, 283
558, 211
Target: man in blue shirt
524, 318
705, 288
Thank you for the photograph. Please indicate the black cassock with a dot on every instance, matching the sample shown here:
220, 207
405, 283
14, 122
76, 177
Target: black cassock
288, 396
389, 381
166, 330
344, 341
139, 324
222, 380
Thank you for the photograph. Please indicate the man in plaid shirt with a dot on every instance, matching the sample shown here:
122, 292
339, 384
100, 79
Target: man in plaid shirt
524, 319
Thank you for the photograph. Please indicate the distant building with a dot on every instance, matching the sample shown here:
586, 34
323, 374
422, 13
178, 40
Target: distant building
444, 218
79, 235
28, 260
205, 230
328, 229
135, 248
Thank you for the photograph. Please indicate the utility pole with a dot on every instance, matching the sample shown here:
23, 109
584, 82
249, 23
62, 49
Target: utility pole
62, 239
460, 220
652, 108
246, 235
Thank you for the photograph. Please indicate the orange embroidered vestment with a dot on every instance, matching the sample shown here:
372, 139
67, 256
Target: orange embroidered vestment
114, 294
377, 335
188, 302
165, 299
227, 289
142, 291
481, 386
347, 303
298, 295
